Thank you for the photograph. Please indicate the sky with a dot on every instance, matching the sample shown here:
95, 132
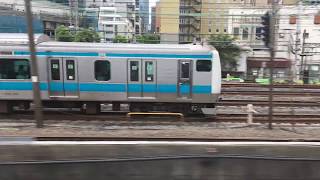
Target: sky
152, 2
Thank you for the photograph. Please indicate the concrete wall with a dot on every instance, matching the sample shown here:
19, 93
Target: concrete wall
158, 162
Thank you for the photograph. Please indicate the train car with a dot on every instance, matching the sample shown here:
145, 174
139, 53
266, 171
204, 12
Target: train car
159, 77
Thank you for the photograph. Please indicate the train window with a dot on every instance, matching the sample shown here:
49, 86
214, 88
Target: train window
134, 70
55, 69
149, 71
102, 70
70, 70
14, 69
204, 65
185, 70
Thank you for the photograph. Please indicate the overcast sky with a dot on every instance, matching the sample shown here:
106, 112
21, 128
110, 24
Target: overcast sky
152, 2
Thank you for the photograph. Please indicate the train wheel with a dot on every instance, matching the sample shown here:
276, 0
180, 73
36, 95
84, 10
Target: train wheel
134, 107
6, 107
92, 108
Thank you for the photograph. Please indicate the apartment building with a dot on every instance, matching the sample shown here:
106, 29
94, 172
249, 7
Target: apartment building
112, 23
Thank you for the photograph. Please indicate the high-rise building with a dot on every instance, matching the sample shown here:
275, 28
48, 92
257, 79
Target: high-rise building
190, 20
157, 17
144, 14
216, 14
112, 23
168, 21
153, 20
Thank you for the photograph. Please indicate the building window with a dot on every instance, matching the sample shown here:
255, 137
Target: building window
317, 19
14, 69
236, 32
258, 33
209, 30
292, 20
224, 30
102, 70
245, 33
217, 30
204, 65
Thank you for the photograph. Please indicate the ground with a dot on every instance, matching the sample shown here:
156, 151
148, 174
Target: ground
159, 129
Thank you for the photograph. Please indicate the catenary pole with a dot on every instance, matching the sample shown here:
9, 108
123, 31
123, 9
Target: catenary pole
34, 68
272, 54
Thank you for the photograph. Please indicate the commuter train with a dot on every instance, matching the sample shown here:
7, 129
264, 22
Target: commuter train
158, 77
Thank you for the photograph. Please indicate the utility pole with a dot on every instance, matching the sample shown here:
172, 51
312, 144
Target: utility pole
134, 38
297, 41
34, 68
77, 15
302, 67
273, 20
304, 60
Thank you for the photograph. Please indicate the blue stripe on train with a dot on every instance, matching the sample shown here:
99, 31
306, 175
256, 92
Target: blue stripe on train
91, 87
120, 55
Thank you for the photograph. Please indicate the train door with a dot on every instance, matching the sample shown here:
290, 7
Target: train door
141, 78
63, 77
185, 79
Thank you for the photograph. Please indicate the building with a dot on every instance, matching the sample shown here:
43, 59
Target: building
48, 15
298, 39
297, 46
217, 14
190, 20
153, 20
246, 26
89, 18
112, 18
169, 21
144, 15
157, 17
112, 22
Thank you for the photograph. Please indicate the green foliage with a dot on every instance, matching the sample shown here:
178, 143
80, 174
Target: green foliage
148, 39
87, 35
120, 39
63, 34
228, 51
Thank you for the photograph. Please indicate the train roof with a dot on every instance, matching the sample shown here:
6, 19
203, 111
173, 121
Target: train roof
122, 46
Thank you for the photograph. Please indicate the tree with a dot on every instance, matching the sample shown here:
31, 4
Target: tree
228, 51
148, 39
64, 34
120, 39
87, 35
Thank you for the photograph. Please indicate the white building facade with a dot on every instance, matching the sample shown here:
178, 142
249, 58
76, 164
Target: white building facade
113, 22
298, 39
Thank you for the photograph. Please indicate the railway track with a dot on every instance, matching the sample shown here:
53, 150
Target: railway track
122, 119
277, 118
294, 86
266, 93
283, 103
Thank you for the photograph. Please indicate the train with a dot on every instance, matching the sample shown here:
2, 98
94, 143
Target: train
147, 77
